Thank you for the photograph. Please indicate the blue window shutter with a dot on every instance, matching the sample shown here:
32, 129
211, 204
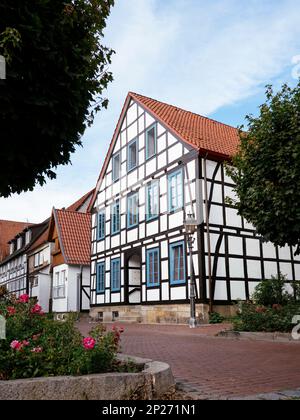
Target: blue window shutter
100, 278
115, 270
175, 190
101, 225
177, 263
115, 218
153, 261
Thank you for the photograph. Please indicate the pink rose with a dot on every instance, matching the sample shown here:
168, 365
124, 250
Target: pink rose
37, 309
37, 350
25, 343
11, 310
16, 345
89, 343
24, 299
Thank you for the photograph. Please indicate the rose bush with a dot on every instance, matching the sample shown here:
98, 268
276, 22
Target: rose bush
38, 346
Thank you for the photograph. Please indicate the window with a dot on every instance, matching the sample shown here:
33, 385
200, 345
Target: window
152, 200
37, 259
19, 243
151, 142
132, 210
116, 167
153, 272
35, 281
59, 285
132, 155
100, 277
175, 188
28, 237
101, 225
115, 272
177, 263
115, 218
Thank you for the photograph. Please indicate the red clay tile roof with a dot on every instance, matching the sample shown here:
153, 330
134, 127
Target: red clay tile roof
79, 203
74, 231
8, 230
209, 137
200, 132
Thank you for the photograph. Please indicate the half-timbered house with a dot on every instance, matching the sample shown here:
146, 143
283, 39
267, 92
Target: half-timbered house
14, 268
69, 231
164, 163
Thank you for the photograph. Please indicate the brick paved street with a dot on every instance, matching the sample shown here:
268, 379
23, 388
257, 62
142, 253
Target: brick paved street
215, 367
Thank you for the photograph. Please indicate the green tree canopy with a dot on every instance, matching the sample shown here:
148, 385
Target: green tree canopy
57, 70
266, 169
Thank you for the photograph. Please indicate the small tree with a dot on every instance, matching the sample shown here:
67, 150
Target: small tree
57, 70
266, 169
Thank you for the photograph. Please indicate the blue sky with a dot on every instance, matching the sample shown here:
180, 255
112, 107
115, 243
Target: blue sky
211, 57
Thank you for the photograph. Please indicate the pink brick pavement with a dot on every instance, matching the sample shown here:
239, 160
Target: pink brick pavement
215, 367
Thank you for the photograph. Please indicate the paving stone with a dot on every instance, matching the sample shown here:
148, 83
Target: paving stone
217, 367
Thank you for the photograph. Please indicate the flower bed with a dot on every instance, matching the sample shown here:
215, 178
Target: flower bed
37, 346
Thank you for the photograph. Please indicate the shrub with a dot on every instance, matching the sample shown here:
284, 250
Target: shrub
272, 291
266, 319
215, 318
38, 346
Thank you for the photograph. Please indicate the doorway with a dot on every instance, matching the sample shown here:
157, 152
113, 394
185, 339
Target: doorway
133, 277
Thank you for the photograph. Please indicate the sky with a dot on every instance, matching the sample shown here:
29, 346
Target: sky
210, 57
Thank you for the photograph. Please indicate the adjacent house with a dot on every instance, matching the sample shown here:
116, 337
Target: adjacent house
27, 257
14, 268
8, 230
69, 231
163, 164
39, 269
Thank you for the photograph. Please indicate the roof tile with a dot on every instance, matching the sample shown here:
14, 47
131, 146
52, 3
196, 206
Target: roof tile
200, 132
74, 232
8, 230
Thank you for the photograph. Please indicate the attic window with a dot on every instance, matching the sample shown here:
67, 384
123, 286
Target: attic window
116, 167
28, 237
132, 155
151, 142
19, 243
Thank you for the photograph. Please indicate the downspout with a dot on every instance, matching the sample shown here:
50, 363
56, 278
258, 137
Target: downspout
211, 298
79, 292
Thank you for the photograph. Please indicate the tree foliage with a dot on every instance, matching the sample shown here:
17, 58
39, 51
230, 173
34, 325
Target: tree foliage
57, 70
266, 169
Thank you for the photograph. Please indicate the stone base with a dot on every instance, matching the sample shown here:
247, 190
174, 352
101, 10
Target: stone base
151, 383
157, 314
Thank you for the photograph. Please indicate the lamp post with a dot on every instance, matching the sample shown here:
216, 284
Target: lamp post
190, 228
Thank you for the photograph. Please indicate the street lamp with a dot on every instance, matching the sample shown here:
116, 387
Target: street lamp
190, 225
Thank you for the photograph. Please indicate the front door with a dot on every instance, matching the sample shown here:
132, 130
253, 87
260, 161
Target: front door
133, 278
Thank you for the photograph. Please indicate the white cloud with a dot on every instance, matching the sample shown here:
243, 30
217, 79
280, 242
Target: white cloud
196, 54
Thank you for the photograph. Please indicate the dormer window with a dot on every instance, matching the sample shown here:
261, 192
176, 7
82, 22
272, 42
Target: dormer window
11, 248
19, 243
28, 237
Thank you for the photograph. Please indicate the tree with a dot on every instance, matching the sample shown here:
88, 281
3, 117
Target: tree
57, 70
266, 169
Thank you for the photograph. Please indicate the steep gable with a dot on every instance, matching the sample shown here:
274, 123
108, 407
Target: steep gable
203, 135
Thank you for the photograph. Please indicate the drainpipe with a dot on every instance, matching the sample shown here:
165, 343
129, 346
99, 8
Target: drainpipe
211, 298
79, 303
